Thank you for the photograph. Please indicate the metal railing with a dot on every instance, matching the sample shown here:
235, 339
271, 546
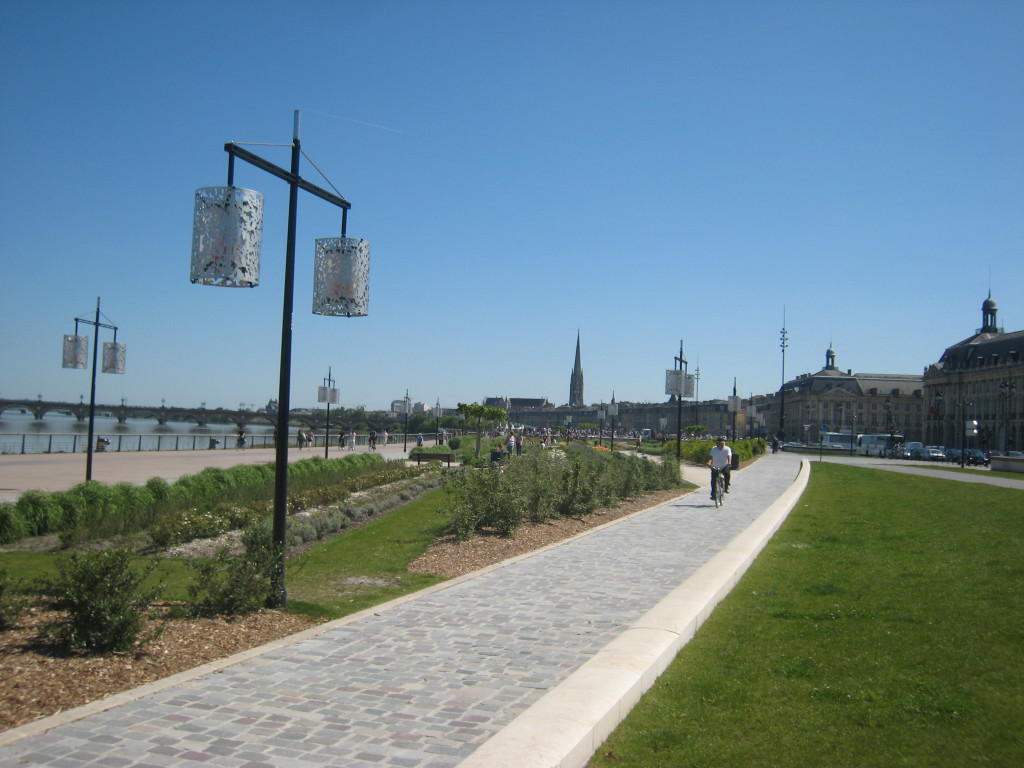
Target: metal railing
22, 443
74, 443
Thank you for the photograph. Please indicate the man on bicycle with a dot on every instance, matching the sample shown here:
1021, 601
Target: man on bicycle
720, 461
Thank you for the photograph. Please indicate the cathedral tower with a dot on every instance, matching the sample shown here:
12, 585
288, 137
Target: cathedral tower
576, 380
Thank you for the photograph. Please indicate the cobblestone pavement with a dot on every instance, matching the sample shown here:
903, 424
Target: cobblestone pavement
419, 683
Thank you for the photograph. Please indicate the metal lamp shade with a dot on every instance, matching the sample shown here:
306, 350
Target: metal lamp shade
227, 231
76, 351
113, 357
341, 279
328, 395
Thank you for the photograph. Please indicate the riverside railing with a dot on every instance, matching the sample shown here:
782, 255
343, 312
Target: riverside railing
46, 442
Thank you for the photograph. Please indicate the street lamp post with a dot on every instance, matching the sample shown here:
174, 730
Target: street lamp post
226, 238
600, 428
405, 437
783, 343
328, 394
1007, 389
889, 425
613, 411
75, 353
437, 421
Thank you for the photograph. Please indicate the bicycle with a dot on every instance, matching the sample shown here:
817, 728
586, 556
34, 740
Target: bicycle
718, 487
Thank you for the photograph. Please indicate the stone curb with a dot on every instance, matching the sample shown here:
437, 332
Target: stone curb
570, 722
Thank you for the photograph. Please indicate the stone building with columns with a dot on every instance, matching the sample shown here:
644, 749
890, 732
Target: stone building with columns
844, 401
979, 379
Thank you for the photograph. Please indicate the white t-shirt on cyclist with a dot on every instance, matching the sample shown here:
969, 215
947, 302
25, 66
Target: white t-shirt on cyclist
721, 457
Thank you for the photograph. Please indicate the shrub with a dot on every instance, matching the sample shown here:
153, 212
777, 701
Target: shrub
485, 499
454, 442
40, 513
12, 603
12, 525
231, 586
103, 598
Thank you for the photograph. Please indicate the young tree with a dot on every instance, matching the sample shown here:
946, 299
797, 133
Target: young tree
480, 413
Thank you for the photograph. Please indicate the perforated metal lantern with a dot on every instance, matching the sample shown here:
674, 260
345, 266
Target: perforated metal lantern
113, 357
76, 351
330, 395
227, 230
341, 277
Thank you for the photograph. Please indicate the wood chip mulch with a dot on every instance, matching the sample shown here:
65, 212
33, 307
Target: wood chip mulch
39, 678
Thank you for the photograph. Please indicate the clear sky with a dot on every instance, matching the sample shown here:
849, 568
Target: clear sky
637, 172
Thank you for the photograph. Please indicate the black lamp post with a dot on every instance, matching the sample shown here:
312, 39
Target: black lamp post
1007, 389
328, 394
613, 411
405, 438
75, 352
889, 425
783, 343
226, 237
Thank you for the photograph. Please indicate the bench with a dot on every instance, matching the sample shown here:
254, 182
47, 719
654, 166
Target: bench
420, 457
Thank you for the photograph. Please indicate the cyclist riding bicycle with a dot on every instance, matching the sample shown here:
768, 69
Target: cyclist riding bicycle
720, 461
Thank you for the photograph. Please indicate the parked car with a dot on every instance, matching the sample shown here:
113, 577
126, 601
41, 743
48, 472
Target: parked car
976, 457
953, 454
1018, 454
932, 453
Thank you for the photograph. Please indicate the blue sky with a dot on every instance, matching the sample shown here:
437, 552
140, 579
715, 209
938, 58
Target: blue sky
640, 173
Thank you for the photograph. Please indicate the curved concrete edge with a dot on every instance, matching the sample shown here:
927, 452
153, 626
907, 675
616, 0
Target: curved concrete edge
571, 721
187, 676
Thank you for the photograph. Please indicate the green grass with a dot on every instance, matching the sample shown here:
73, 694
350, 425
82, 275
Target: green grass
367, 566
356, 570
882, 626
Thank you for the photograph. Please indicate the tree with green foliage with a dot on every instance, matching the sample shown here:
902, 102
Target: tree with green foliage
481, 413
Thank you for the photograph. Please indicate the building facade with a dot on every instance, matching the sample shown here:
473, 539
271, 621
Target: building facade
843, 401
979, 379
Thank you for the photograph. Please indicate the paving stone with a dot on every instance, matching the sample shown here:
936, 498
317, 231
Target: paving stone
424, 683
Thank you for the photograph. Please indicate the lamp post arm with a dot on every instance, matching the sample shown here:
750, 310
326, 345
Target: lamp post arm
234, 150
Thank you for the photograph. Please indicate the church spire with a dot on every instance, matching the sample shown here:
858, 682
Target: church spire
576, 380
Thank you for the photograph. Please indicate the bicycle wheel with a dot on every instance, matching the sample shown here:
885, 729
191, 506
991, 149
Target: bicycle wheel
719, 490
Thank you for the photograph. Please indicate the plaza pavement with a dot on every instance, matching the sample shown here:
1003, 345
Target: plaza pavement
528, 663
61, 471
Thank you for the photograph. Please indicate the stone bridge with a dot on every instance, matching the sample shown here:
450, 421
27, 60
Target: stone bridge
162, 414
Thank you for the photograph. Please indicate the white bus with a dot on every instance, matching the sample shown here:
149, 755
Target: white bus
843, 440
877, 444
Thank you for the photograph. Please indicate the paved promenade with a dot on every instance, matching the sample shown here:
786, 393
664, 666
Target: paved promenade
530, 663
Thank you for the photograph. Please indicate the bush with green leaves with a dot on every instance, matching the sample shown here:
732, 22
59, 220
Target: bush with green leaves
13, 602
558, 483
12, 525
231, 585
482, 499
103, 597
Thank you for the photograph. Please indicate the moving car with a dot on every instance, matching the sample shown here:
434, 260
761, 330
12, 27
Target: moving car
976, 457
933, 453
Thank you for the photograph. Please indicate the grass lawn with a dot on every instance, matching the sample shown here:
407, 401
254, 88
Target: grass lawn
363, 567
882, 626
367, 566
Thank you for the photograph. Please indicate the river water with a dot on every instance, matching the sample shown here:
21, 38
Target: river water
22, 433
